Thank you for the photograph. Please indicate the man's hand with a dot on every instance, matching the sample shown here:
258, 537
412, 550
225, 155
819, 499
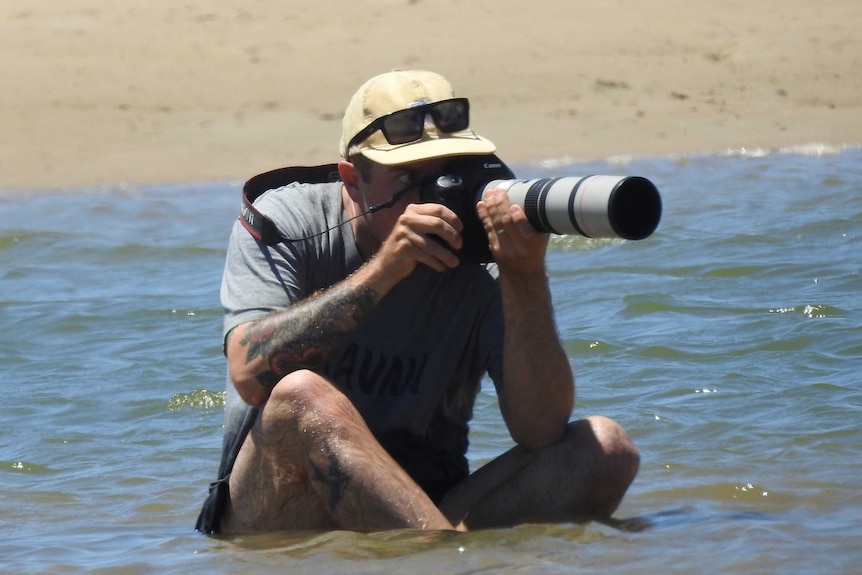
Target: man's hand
410, 243
515, 245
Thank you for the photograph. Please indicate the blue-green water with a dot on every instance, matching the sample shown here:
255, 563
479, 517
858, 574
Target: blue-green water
729, 344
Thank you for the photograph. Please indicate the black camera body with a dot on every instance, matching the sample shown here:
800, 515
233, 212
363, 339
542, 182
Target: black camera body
459, 190
599, 206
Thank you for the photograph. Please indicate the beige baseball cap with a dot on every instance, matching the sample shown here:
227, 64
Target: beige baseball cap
400, 90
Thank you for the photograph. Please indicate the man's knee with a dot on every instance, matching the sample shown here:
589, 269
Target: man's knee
611, 435
308, 401
301, 389
613, 445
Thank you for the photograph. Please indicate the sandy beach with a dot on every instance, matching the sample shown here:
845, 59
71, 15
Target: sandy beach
156, 91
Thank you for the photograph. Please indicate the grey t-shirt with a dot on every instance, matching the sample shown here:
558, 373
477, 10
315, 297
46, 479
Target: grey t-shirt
412, 368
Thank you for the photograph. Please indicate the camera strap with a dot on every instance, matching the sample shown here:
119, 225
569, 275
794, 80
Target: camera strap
253, 220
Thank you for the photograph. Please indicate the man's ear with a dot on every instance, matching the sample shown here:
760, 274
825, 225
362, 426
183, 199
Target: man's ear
350, 177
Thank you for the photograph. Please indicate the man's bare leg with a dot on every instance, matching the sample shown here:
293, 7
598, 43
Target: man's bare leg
310, 462
583, 476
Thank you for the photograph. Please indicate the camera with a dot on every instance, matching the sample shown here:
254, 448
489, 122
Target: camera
599, 206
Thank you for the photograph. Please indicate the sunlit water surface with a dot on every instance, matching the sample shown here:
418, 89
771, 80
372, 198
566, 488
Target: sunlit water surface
729, 344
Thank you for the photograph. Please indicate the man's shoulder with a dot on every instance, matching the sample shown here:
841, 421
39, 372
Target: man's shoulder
307, 206
300, 195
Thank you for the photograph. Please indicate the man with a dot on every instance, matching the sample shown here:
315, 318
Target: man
356, 343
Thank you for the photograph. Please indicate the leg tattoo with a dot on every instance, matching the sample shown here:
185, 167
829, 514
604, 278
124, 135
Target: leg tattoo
334, 478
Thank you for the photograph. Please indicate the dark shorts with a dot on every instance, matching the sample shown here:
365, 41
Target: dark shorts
209, 520
437, 490
436, 471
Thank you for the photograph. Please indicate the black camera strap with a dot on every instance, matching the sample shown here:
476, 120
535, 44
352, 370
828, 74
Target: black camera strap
253, 220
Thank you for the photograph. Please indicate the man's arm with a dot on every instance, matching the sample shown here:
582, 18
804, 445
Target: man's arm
538, 391
261, 352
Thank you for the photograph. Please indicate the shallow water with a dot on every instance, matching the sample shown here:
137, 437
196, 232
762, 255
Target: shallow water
729, 344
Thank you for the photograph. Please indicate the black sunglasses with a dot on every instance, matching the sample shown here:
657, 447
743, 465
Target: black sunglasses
407, 125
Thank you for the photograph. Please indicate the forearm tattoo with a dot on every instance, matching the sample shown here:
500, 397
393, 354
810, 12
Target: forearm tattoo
335, 479
304, 335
